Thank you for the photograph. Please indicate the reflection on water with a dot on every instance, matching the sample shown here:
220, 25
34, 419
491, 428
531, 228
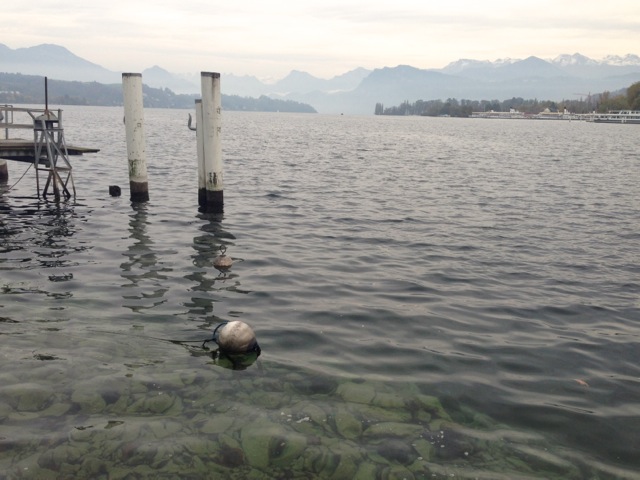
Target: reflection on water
39, 235
143, 269
207, 246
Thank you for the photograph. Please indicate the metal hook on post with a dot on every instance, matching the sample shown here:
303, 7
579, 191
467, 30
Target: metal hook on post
189, 125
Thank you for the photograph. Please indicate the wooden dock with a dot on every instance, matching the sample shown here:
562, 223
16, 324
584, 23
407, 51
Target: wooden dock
22, 150
47, 151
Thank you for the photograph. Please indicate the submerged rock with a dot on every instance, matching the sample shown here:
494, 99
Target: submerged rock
389, 400
356, 392
314, 385
424, 448
89, 401
347, 425
398, 451
217, 424
366, 471
320, 461
230, 457
27, 397
432, 405
157, 403
393, 429
5, 410
283, 450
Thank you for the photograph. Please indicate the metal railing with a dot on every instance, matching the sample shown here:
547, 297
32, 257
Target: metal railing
22, 117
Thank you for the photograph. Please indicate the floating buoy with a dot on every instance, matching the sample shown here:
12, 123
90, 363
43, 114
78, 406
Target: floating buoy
235, 337
114, 190
222, 261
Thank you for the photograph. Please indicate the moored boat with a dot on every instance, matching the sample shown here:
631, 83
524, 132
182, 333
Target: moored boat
616, 116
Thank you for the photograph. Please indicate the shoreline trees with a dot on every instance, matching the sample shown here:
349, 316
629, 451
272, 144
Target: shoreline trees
624, 99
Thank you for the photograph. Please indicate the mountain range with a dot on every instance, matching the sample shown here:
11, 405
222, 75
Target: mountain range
357, 91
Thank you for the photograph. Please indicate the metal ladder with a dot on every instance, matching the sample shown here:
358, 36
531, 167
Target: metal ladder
51, 155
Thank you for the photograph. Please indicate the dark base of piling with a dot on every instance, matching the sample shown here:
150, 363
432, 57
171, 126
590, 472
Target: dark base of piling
202, 197
139, 191
214, 202
4, 173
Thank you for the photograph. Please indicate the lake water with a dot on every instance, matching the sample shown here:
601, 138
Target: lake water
434, 298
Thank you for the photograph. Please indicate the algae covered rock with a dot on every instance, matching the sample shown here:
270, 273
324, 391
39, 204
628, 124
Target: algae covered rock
393, 429
257, 439
313, 384
396, 472
89, 401
27, 397
432, 405
217, 424
156, 403
389, 400
286, 449
396, 450
320, 461
424, 448
347, 425
366, 471
349, 456
5, 410
270, 444
354, 392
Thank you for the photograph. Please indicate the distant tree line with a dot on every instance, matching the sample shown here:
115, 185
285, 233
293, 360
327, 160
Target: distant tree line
16, 88
624, 99
264, 104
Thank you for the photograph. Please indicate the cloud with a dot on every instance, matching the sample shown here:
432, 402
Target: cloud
323, 37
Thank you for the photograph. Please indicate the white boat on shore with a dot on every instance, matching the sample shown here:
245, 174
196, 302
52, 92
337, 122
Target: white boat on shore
513, 114
616, 116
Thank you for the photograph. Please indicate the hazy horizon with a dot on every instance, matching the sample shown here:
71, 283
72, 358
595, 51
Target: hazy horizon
324, 38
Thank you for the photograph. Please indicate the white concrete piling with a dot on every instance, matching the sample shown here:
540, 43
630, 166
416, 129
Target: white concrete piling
134, 126
211, 139
202, 184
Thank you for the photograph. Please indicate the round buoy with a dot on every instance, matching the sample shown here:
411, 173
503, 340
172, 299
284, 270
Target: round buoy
222, 261
235, 337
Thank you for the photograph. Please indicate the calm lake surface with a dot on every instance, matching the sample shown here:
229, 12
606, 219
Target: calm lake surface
434, 298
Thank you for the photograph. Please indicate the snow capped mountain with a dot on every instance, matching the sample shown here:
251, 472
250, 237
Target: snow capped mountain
464, 64
564, 60
575, 59
505, 61
467, 63
629, 60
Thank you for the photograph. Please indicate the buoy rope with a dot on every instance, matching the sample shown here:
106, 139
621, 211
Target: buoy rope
174, 341
215, 334
25, 172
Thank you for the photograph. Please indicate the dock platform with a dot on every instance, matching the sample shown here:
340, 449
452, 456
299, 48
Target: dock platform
22, 150
47, 151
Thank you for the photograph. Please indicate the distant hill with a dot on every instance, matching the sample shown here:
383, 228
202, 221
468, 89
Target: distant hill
359, 90
160, 78
561, 78
16, 88
53, 61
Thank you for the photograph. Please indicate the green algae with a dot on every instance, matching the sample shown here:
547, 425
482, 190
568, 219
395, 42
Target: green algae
273, 425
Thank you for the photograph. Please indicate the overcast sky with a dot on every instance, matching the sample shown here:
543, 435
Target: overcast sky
268, 39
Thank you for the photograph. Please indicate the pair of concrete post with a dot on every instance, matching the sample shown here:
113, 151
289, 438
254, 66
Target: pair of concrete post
209, 127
